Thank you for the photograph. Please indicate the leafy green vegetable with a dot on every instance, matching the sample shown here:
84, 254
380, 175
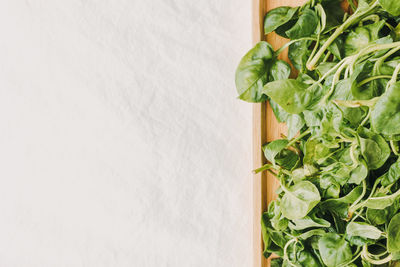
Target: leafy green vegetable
363, 230
385, 116
277, 17
304, 26
374, 148
253, 72
393, 242
391, 6
339, 164
299, 199
334, 249
293, 96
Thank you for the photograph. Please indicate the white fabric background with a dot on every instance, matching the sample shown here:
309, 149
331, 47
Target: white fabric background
122, 142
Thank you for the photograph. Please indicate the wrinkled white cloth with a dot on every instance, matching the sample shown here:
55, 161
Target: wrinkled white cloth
122, 142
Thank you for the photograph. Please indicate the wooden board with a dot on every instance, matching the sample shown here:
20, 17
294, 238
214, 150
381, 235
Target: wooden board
265, 128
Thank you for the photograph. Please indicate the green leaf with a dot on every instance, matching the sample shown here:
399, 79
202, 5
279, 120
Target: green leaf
377, 217
374, 148
341, 205
277, 262
393, 235
391, 6
362, 36
293, 96
364, 230
334, 250
280, 70
253, 72
385, 116
299, 199
265, 235
308, 222
306, 258
314, 232
287, 159
294, 123
392, 175
272, 149
382, 216
299, 53
358, 174
382, 202
277, 17
305, 25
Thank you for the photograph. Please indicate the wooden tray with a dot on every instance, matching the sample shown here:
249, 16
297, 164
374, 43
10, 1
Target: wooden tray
265, 128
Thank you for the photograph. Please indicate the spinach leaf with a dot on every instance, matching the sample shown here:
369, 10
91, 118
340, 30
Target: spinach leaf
385, 116
308, 222
253, 72
305, 25
277, 17
276, 262
391, 6
381, 202
364, 230
374, 148
360, 37
280, 70
264, 229
339, 164
392, 175
299, 199
299, 54
393, 239
334, 249
274, 148
293, 96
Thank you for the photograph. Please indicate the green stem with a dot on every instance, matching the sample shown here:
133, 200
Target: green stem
361, 205
283, 47
374, 78
298, 138
393, 147
366, 256
358, 252
311, 65
352, 154
263, 168
354, 207
366, 117
370, 49
285, 256
373, 17
379, 62
394, 76
328, 54
335, 79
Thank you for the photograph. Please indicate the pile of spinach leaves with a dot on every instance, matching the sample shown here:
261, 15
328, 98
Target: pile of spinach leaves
339, 167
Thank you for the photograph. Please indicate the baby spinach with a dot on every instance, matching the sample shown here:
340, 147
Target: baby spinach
391, 6
362, 229
299, 199
305, 25
253, 72
334, 249
393, 241
277, 17
292, 95
385, 116
339, 165
374, 148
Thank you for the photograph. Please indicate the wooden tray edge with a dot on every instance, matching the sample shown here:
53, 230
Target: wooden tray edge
259, 138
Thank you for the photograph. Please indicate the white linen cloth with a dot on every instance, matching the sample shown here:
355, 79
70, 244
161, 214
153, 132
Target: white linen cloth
122, 142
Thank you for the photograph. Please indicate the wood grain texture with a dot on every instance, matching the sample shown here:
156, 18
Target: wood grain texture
265, 129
